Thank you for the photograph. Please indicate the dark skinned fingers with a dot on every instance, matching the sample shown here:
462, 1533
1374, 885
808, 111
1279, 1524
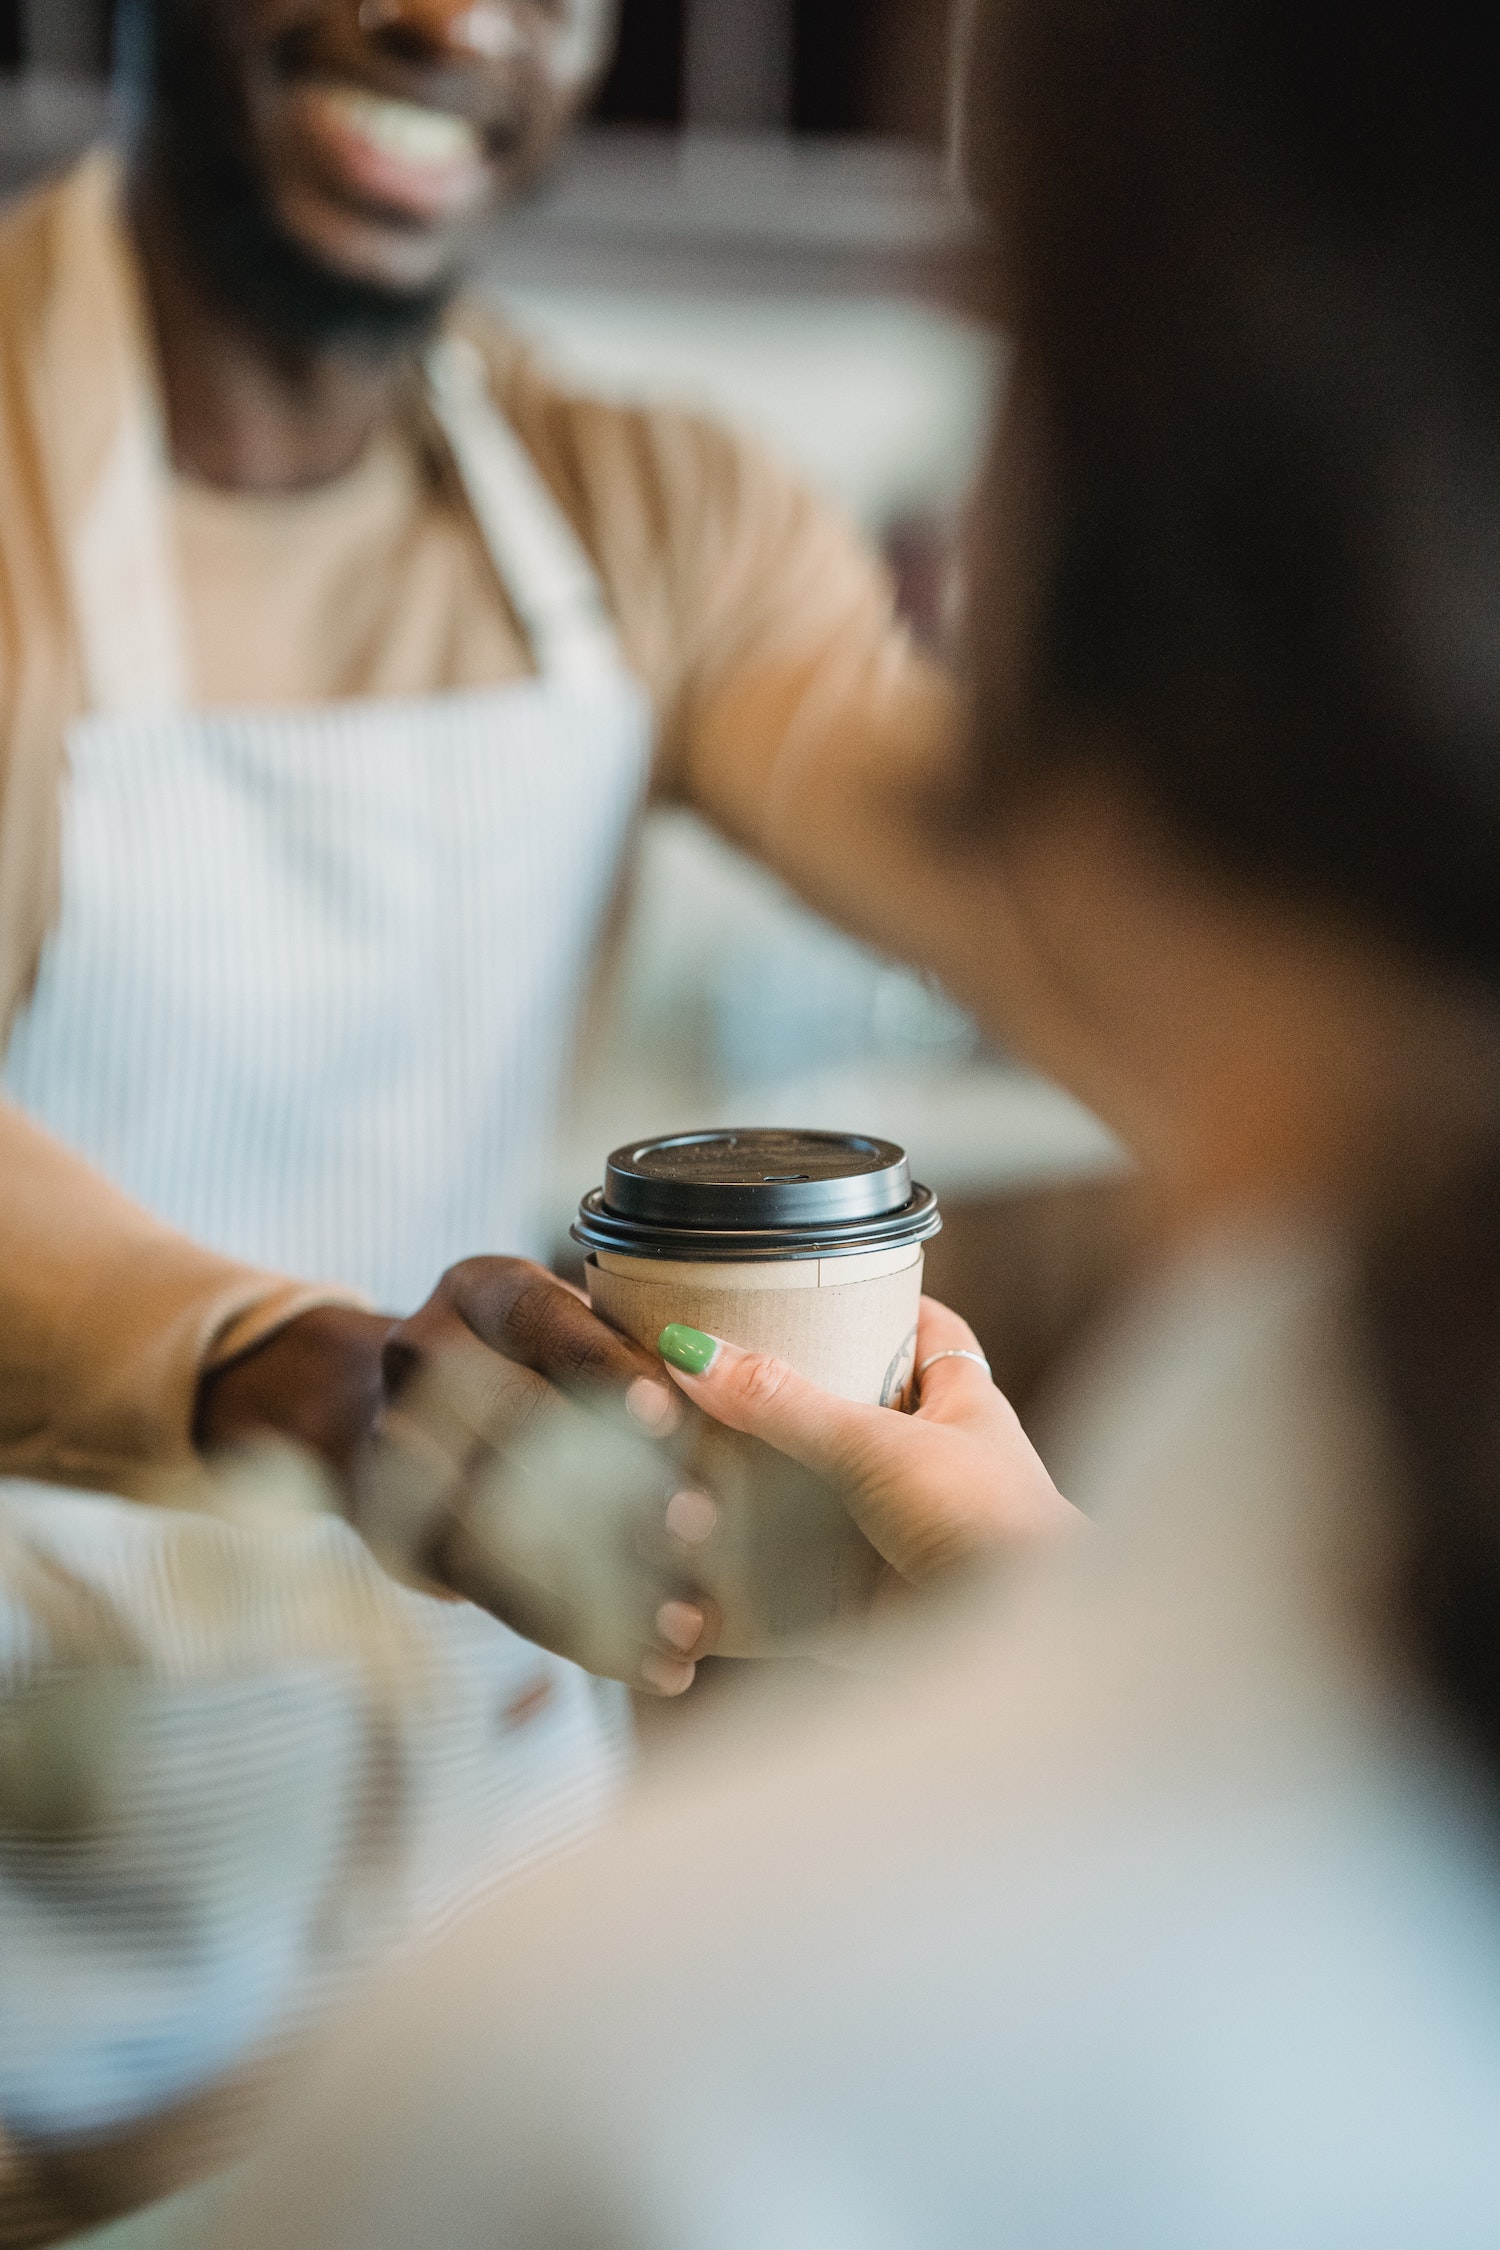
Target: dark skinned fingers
526, 1316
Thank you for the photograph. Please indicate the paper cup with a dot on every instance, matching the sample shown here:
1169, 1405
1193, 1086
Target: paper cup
848, 1323
807, 1246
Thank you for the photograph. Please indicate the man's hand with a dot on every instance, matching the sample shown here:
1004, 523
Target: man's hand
317, 1381
513, 1335
514, 1464
506, 1445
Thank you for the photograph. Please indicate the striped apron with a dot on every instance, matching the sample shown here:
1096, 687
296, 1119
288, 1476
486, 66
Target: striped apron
313, 983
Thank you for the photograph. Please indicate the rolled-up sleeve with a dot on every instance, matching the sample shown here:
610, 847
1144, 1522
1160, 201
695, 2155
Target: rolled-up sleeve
109, 1319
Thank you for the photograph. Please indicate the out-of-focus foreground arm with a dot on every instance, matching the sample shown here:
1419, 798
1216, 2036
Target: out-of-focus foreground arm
107, 1321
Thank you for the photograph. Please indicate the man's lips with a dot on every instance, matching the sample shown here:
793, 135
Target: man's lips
423, 162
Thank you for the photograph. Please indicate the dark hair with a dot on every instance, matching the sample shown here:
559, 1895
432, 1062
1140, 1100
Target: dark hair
1249, 255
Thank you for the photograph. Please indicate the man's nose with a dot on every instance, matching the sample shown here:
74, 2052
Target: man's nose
446, 30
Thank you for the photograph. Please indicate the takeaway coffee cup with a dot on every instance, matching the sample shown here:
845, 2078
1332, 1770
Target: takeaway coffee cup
806, 1245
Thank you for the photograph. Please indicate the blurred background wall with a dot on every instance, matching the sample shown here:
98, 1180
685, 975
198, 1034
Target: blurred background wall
758, 219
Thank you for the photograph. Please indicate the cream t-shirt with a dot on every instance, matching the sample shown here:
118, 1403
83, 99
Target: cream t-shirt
378, 583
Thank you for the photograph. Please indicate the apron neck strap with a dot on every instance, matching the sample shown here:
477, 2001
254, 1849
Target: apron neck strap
541, 562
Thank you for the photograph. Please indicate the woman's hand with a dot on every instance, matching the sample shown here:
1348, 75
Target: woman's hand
957, 1478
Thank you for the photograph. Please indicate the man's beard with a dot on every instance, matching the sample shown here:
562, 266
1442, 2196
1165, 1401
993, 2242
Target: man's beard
196, 150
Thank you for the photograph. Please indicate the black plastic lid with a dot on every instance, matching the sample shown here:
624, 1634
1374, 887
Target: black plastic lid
763, 1177
761, 1192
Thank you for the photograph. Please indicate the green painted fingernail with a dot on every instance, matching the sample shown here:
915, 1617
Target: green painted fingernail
687, 1348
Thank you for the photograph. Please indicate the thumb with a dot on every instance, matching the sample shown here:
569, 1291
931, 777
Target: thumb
766, 1399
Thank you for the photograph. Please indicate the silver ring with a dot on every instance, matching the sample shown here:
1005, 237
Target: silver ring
977, 1357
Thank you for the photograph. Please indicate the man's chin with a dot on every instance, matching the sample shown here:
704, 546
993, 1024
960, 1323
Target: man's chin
370, 252
304, 302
